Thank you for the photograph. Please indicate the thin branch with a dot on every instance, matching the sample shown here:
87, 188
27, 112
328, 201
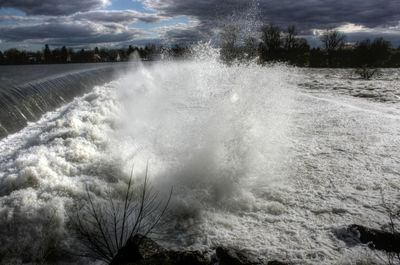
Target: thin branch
104, 229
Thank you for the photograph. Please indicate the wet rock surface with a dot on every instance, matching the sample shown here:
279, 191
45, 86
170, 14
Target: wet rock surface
374, 238
187, 257
229, 256
141, 250
377, 239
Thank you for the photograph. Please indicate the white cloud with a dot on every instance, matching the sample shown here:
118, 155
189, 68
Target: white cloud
350, 28
117, 16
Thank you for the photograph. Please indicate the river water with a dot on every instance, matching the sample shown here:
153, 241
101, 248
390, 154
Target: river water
271, 159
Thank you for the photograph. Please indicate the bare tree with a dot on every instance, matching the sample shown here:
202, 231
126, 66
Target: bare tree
271, 42
250, 48
271, 36
333, 40
104, 228
230, 35
290, 38
229, 38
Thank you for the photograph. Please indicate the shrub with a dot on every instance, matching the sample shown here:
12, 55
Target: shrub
104, 228
367, 73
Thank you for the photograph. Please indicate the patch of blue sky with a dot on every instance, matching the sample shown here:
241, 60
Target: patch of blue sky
15, 12
5, 11
128, 4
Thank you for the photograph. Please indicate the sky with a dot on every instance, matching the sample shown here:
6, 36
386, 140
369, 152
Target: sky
30, 24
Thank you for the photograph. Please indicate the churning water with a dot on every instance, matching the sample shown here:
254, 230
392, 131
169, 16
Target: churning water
272, 159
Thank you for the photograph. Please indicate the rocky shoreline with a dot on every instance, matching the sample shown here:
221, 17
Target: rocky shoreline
141, 250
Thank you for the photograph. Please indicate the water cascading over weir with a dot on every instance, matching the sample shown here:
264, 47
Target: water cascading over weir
28, 100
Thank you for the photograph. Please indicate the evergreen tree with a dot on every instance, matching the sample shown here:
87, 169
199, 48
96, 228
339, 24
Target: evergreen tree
372, 54
14, 56
64, 54
2, 59
380, 51
130, 50
47, 54
317, 58
56, 56
361, 54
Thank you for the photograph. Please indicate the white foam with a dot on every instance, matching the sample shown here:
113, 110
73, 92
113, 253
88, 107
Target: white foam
253, 163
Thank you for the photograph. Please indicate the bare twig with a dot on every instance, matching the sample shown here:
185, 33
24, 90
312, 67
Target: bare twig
393, 213
104, 229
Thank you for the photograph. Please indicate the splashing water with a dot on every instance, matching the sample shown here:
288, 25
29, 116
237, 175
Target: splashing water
255, 161
205, 131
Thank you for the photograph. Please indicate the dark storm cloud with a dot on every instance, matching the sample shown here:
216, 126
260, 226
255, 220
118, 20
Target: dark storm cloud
182, 34
73, 33
80, 29
304, 13
76, 22
53, 7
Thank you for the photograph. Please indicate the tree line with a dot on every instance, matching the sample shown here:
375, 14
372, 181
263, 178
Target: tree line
276, 45
272, 44
69, 55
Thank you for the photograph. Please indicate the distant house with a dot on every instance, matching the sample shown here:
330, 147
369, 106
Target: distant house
32, 59
349, 46
96, 58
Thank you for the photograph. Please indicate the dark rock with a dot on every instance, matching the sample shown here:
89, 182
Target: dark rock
377, 239
187, 257
277, 262
229, 256
374, 238
139, 248
366, 95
